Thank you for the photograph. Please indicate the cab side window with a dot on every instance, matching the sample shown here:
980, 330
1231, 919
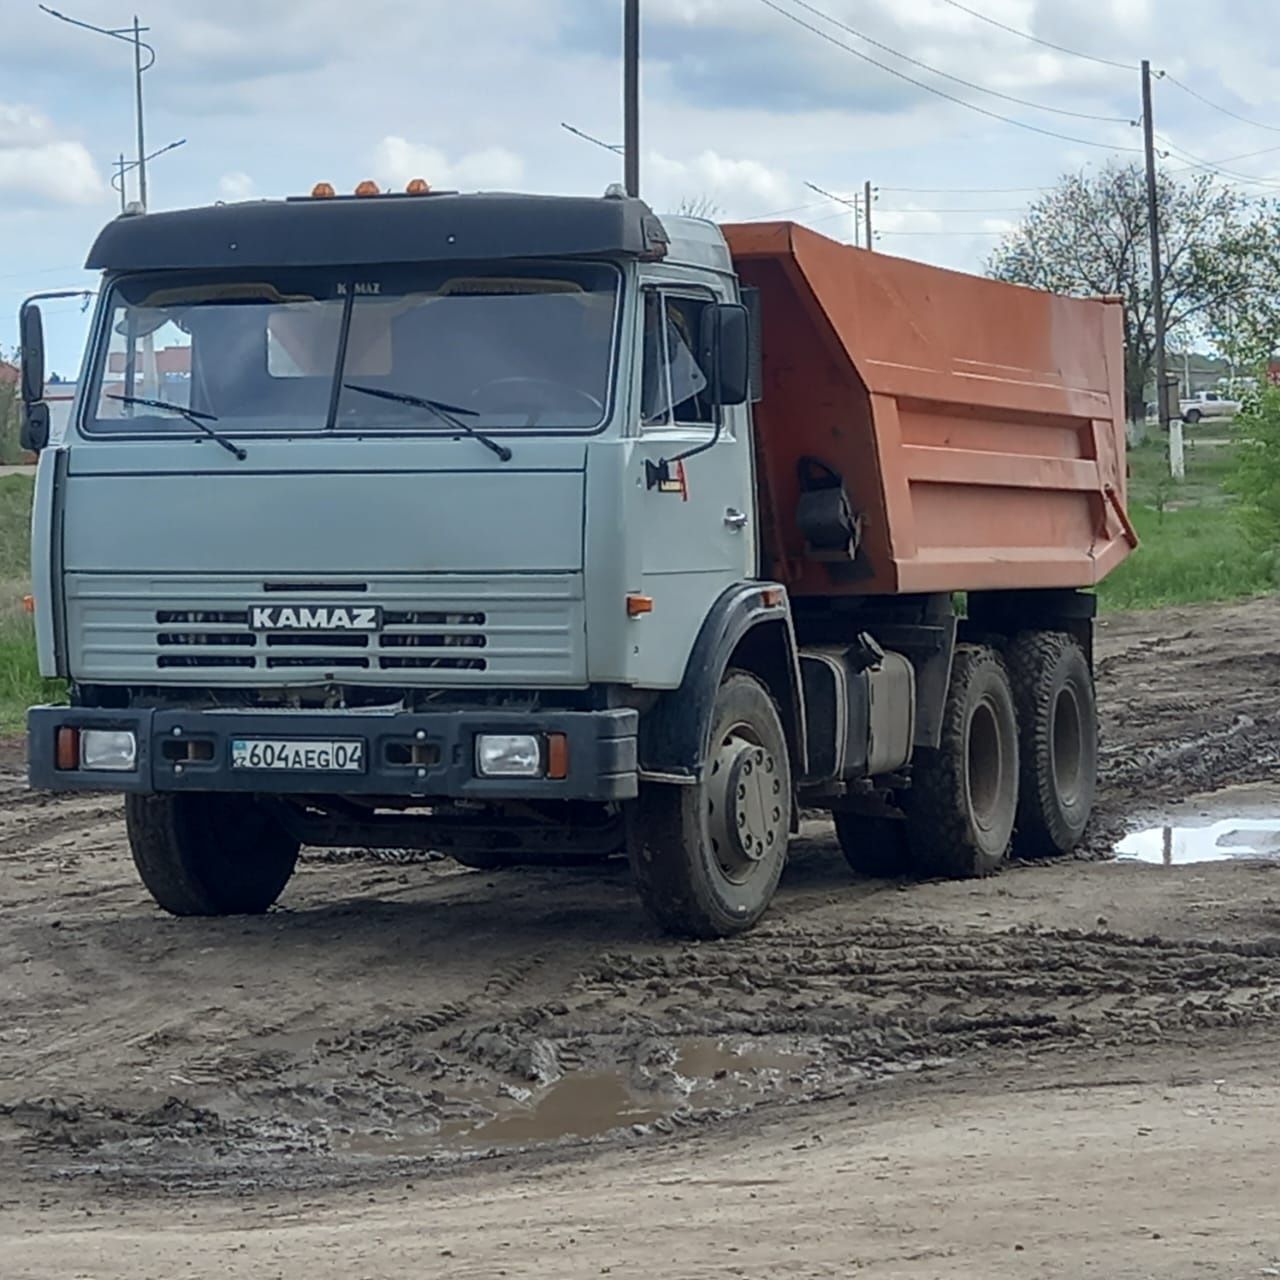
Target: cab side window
674, 385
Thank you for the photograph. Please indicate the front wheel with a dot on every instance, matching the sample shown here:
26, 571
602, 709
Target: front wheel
202, 854
707, 858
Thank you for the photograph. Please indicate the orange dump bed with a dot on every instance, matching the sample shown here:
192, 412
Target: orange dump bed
978, 426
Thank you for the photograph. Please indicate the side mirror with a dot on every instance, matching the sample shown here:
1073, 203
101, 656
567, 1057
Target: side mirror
31, 331
34, 433
725, 352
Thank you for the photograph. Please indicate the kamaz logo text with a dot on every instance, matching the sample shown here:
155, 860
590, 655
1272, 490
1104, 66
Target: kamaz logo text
313, 618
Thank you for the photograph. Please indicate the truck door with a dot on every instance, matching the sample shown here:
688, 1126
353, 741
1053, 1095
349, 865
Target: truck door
699, 534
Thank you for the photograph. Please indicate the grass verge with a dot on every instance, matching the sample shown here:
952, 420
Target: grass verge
20, 682
1193, 545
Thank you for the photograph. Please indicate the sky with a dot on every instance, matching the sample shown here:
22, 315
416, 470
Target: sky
742, 106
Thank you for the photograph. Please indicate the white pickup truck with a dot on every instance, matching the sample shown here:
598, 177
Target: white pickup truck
1208, 404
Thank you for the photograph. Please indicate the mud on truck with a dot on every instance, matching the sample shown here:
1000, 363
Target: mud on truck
540, 530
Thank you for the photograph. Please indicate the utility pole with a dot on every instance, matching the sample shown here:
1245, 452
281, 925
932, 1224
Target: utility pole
844, 200
137, 88
631, 94
866, 212
131, 35
1171, 423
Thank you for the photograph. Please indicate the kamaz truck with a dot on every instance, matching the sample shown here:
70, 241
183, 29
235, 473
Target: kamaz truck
532, 529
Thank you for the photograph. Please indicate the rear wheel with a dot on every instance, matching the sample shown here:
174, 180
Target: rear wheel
1057, 741
964, 795
209, 855
707, 858
873, 846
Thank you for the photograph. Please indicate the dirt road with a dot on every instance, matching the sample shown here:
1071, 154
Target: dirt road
416, 1069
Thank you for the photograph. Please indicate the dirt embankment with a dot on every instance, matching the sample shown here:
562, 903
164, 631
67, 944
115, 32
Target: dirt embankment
397, 1022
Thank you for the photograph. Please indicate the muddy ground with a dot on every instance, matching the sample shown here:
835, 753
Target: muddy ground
410, 1068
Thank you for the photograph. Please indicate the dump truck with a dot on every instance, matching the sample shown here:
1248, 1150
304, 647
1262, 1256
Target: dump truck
535, 529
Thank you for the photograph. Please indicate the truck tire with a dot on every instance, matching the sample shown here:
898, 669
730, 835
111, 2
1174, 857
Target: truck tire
707, 858
873, 846
1191, 417
209, 855
963, 797
1057, 742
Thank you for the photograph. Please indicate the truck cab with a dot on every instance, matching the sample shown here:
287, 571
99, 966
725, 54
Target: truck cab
433, 521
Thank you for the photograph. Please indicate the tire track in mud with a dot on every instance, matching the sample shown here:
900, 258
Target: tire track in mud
30, 829
841, 1010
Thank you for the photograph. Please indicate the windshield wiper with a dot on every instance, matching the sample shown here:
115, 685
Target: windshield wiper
197, 417
445, 412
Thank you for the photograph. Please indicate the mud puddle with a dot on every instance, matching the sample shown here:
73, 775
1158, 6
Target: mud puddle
701, 1074
1238, 823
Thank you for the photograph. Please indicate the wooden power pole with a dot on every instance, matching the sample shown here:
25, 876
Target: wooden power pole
866, 212
1170, 423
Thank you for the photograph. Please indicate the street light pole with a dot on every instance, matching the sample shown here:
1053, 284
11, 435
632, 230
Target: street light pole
123, 166
131, 35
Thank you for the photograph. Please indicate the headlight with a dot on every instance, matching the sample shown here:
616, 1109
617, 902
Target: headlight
110, 750
508, 755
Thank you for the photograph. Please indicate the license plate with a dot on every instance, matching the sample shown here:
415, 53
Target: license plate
297, 756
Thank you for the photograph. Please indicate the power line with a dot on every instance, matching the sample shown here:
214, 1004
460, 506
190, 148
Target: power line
1048, 44
941, 233
1005, 209
1215, 167
946, 75
778, 213
963, 191
942, 93
1217, 106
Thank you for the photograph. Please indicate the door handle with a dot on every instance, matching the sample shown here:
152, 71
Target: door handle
735, 519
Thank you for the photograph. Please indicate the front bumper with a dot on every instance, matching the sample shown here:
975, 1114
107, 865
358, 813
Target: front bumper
422, 754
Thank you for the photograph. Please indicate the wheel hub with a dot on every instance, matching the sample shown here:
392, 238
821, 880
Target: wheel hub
745, 806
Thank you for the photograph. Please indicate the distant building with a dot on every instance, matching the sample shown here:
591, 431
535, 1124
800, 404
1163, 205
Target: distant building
170, 361
9, 374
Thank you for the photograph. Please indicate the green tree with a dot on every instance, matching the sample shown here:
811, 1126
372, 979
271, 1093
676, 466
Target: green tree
1256, 477
10, 449
1088, 236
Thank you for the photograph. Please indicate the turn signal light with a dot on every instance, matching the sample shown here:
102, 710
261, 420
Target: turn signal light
66, 751
557, 755
418, 187
28, 604
323, 191
639, 605
368, 188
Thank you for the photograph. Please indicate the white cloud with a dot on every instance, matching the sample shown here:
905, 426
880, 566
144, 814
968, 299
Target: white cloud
34, 161
235, 185
396, 160
23, 126
737, 187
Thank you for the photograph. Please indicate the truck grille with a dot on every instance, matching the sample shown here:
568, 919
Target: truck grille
215, 630
517, 630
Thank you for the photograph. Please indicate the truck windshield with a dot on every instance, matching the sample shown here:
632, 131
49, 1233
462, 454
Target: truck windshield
523, 347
